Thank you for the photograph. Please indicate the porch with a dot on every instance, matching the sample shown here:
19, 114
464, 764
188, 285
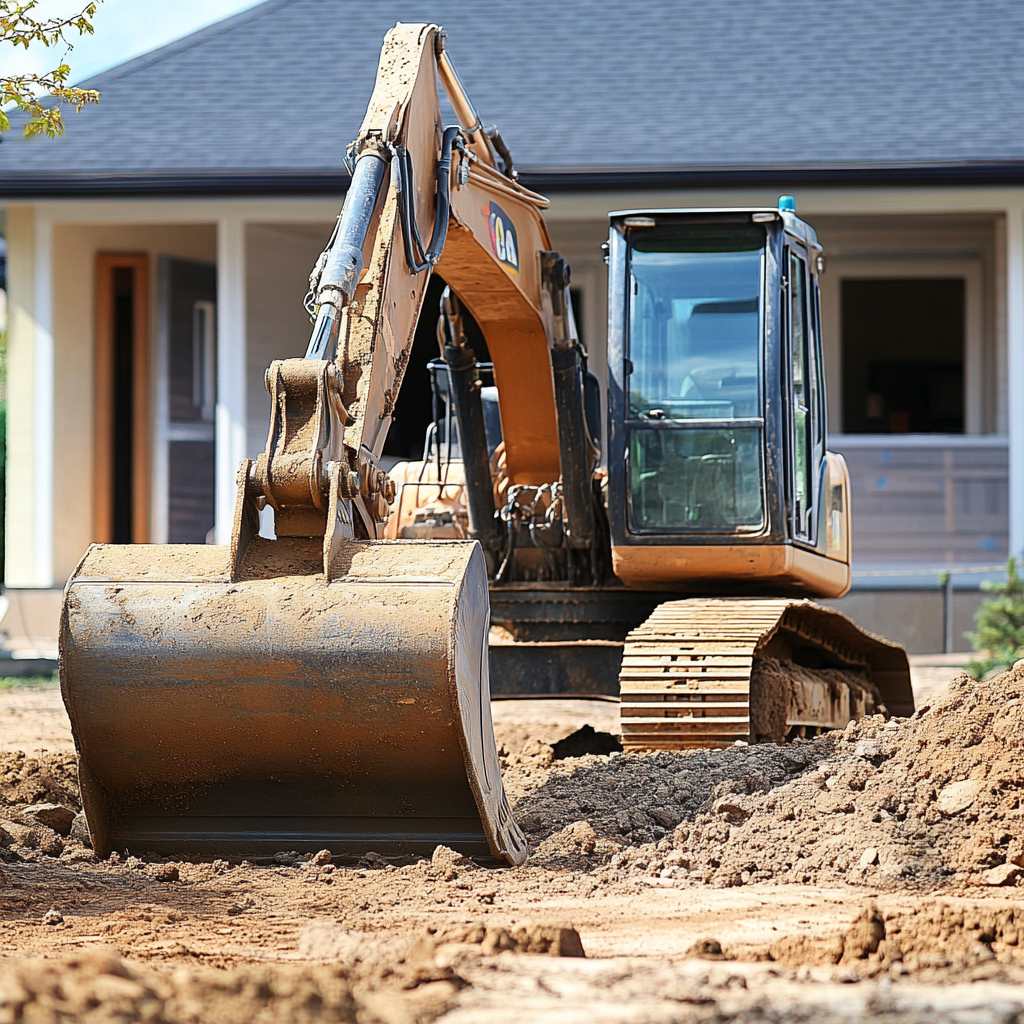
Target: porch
140, 332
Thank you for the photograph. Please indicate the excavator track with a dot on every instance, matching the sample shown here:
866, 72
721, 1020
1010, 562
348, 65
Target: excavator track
712, 672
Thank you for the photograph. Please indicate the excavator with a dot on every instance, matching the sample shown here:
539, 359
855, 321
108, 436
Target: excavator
325, 683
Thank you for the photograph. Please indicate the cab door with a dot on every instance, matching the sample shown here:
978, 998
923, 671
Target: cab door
802, 387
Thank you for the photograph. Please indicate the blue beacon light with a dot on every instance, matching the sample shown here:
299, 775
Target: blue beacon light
787, 204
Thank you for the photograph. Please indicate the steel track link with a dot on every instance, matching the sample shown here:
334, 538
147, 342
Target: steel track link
686, 671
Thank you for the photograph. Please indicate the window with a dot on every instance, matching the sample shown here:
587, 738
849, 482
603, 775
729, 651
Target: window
695, 335
694, 377
696, 479
904, 342
800, 364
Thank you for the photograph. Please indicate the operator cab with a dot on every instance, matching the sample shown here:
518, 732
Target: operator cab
718, 469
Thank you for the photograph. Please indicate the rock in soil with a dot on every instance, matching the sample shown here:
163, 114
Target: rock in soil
447, 863
548, 940
80, 829
55, 816
167, 873
707, 949
1002, 874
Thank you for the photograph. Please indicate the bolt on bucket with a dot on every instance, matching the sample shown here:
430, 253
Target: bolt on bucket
273, 706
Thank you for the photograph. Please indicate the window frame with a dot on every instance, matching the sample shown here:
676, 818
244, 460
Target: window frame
981, 405
803, 527
632, 423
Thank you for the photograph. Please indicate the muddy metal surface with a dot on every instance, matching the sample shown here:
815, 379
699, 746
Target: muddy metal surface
241, 714
924, 924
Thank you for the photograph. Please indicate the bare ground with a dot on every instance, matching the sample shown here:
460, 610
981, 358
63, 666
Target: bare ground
620, 857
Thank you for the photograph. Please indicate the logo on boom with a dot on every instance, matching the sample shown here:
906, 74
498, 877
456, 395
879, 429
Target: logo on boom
504, 243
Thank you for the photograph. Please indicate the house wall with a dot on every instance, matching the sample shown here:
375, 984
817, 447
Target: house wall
278, 259
74, 249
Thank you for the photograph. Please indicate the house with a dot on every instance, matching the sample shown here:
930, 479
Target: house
158, 252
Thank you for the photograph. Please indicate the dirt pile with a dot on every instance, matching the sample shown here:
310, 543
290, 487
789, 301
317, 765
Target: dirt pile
633, 799
931, 800
367, 977
38, 803
100, 988
934, 800
546, 940
48, 778
933, 937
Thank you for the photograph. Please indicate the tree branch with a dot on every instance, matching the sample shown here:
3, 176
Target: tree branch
42, 95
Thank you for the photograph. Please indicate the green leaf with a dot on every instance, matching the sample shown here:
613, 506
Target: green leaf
19, 26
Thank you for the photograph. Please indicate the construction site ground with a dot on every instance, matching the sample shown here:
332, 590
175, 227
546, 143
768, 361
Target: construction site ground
871, 874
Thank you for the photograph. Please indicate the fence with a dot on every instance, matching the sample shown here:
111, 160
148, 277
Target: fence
924, 500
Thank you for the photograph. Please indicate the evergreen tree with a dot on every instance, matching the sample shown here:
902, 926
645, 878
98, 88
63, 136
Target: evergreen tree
998, 635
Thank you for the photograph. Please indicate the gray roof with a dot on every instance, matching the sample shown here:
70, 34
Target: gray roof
583, 92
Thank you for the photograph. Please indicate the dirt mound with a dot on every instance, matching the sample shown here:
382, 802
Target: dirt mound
633, 799
934, 800
383, 981
932, 937
38, 800
99, 987
546, 940
30, 780
931, 800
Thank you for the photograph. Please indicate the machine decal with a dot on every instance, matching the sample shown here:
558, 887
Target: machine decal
504, 243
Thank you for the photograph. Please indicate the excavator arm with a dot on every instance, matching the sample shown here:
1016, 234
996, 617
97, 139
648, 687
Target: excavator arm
324, 687
414, 180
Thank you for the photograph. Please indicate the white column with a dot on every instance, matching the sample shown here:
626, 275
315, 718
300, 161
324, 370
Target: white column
1015, 370
231, 357
43, 371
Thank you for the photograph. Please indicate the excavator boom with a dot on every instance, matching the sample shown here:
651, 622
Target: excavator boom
326, 687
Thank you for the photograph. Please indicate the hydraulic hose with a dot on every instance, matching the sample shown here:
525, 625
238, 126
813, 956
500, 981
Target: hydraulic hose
416, 256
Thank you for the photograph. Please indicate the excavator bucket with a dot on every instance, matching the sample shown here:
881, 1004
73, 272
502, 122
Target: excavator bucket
271, 706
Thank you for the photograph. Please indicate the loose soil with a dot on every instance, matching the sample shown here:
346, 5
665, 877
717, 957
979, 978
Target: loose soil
872, 874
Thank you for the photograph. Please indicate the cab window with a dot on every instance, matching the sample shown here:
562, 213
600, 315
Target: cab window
694, 377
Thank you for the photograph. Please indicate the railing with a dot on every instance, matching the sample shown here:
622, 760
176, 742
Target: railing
927, 500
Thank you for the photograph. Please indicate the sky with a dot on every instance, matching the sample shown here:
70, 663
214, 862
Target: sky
124, 29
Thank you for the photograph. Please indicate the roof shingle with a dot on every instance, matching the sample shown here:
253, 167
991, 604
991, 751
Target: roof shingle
638, 83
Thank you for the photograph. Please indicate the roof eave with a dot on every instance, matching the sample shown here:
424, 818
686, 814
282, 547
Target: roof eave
221, 183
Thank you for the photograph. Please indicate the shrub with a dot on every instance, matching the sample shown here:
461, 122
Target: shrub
998, 635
